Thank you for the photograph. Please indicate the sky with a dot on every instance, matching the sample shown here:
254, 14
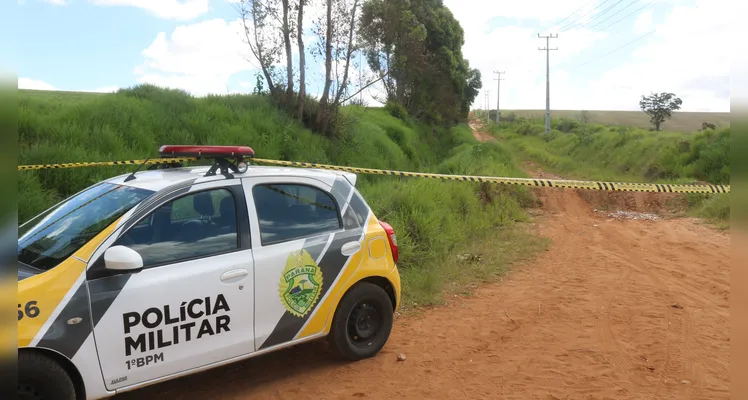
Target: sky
610, 52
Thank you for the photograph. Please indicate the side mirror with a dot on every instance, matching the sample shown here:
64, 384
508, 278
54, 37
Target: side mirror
122, 258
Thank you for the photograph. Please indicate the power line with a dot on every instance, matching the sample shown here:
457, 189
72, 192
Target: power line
615, 13
586, 14
628, 15
567, 17
613, 51
595, 16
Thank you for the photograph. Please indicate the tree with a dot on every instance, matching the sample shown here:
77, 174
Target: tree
262, 42
335, 34
302, 59
660, 107
416, 48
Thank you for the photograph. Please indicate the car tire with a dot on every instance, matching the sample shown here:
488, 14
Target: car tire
41, 378
362, 322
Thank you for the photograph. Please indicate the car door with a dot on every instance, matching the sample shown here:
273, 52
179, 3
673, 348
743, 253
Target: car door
193, 303
300, 245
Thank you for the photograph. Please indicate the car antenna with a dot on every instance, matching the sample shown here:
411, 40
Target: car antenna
132, 176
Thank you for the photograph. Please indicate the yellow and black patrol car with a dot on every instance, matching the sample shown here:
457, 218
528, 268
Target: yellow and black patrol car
172, 270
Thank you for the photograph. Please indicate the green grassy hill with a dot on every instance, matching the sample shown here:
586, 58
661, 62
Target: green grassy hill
434, 220
681, 121
598, 152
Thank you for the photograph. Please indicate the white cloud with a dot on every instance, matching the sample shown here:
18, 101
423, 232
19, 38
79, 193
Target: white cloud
167, 9
643, 23
199, 58
202, 57
32, 84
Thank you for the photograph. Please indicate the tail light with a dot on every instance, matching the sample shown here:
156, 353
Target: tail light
392, 238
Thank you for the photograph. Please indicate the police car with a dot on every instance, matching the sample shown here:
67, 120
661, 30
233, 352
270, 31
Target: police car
173, 270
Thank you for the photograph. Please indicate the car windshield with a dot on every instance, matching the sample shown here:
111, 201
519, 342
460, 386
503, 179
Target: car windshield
51, 237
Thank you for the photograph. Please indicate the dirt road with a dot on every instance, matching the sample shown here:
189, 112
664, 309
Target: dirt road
617, 308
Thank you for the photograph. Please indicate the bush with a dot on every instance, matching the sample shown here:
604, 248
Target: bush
530, 129
396, 110
566, 125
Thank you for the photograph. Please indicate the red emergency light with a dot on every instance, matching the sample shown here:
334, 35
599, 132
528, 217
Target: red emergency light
225, 152
225, 158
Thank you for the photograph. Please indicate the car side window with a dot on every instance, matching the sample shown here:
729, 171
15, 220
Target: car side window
196, 225
292, 211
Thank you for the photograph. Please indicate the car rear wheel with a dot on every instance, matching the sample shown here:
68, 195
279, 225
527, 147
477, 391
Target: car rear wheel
41, 378
362, 322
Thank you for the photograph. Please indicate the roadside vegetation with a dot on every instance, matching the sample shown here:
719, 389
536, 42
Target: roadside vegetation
681, 121
435, 221
618, 153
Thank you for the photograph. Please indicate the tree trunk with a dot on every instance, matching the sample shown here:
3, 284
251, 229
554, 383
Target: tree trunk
257, 48
302, 61
351, 28
322, 113
289, 59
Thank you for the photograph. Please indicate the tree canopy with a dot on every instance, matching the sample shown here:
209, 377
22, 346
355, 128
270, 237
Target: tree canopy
416, 47
659, 107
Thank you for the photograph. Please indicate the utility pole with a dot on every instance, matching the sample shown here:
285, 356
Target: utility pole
547, 50
498, 93
488, 107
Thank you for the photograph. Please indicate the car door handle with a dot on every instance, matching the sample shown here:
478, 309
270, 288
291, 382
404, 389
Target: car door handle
350, 248
233, 274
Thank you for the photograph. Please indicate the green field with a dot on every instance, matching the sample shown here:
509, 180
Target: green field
435, 221
681, 121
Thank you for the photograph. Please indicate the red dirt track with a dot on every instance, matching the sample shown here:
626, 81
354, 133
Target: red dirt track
615, 309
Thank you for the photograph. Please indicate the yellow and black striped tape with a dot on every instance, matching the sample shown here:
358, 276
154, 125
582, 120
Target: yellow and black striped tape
558, 183
104, 163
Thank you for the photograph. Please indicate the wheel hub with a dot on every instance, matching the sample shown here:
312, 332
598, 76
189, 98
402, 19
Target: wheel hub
364, 323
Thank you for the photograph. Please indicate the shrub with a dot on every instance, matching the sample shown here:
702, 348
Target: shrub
396, 110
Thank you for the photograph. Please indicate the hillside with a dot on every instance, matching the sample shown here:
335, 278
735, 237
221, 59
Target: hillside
619, 153
681, 121
433, 219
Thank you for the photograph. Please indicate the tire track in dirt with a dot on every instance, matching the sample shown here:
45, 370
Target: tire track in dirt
586, 319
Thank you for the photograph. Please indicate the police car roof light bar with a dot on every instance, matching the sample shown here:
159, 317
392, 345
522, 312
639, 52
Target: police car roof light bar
221, 156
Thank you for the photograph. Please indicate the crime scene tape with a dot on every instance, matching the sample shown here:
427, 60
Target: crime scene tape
553, 183
558, 183
103, 163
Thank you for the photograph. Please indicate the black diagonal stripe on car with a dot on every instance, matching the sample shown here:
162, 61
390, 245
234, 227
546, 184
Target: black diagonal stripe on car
340, 190
103, 292
314, 246
331, 264
360, 208
67, 334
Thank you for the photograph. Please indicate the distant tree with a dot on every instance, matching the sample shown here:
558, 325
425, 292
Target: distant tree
707, 125
584, 117
660, 107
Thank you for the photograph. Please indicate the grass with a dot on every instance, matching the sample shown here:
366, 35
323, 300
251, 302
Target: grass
680, 122
434, 220
597, 152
